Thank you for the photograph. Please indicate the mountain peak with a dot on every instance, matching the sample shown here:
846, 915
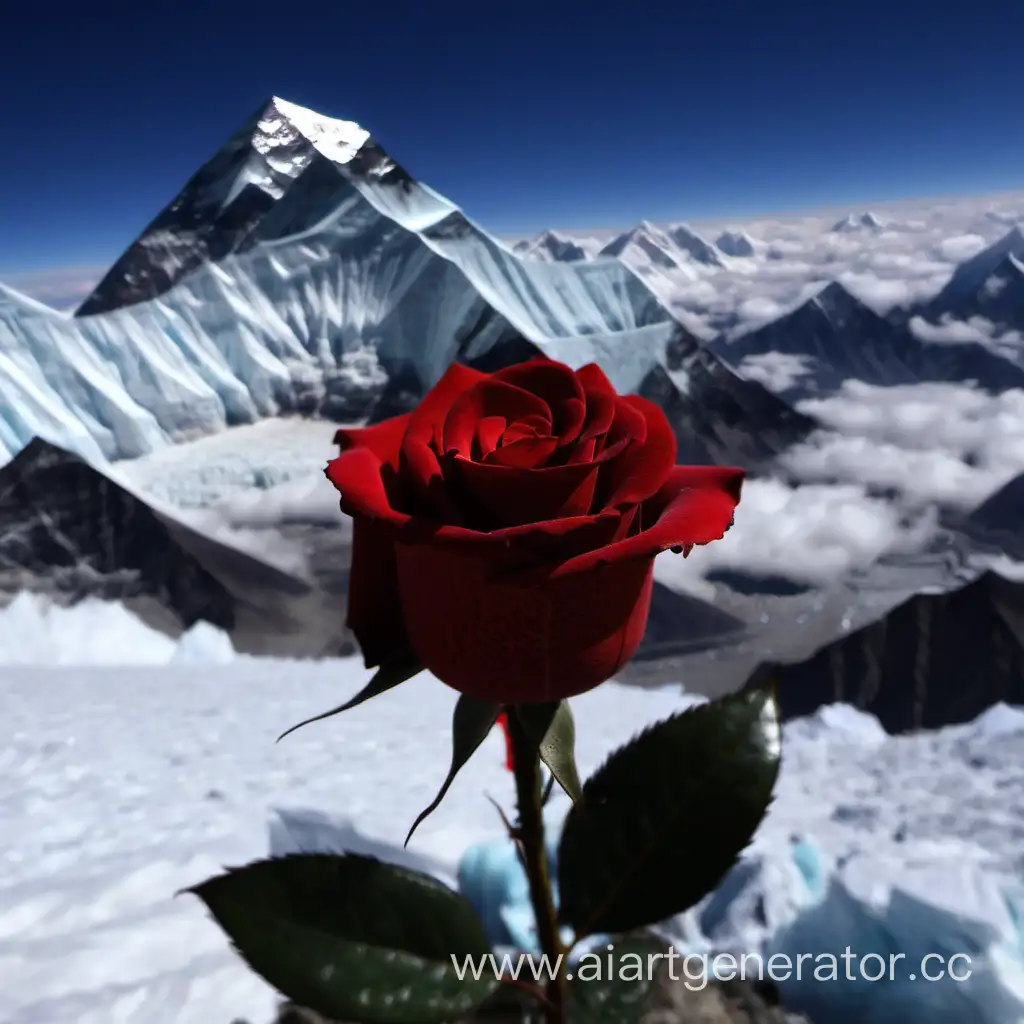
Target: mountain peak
336, 139
982, 279
735, 243
836, 298
694, 245
853, 222
553, 246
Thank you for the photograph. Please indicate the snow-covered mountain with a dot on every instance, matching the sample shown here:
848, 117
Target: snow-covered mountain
673, 248
644, 244
988, 285
735, 243
301, 270
550, 246
687, 240
837, 338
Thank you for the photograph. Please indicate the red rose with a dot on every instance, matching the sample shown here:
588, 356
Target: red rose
506, 529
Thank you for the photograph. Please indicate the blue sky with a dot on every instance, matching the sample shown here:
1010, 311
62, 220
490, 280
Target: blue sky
565, 113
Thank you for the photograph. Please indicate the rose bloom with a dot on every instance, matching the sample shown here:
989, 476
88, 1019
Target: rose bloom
506, 529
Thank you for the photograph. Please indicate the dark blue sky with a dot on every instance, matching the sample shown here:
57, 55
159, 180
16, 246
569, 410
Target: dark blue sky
561, 113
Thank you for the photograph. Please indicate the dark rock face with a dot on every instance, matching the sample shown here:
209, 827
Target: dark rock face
997, 524
71, 532
932, 661
74, 530
718, 417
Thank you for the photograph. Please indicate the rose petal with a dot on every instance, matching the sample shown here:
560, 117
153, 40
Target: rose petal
688, 478
490, 397
593, 378
696, 505
582, 451
527, 453
488, 434
528, 426
375, 607
503, 641
384, 439
422, 443
556, 384
643, 467
512, 496
357, 474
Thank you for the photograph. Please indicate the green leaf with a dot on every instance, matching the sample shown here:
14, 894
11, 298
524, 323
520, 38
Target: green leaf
472, 721
353, 938
551, 726
617, 985
667, 815
396, 670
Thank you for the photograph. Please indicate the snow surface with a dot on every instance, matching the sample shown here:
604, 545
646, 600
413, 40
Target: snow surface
35, 631
121, 786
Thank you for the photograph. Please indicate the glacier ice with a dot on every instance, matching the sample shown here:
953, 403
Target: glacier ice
298, 271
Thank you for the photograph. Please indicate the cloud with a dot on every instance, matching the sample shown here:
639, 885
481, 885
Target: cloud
777, 371
977, 329
907, 263
58, 287
931, 443
811, 534
961, 247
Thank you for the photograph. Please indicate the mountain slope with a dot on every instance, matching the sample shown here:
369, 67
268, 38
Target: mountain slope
997, 523
839, 338
72, 532
988, 285
718, 416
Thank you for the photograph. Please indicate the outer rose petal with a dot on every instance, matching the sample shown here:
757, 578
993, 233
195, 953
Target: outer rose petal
384, 439
374, 607
357, 475
695, 506
498, 640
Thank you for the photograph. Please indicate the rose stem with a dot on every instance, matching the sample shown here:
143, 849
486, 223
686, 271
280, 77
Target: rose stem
526, 769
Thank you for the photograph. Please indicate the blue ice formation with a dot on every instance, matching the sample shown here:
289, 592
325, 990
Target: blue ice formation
831, 927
